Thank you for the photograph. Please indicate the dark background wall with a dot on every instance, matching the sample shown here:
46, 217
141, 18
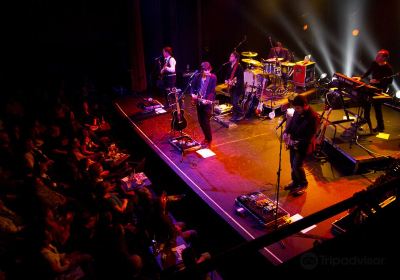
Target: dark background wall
42, 39
210, 29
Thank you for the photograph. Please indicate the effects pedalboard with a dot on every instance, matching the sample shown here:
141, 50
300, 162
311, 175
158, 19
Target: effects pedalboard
185, 143
263, 209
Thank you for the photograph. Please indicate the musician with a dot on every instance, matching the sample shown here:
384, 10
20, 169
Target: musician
381, 73
280, 52
203, 95
235, 81
299, 135
168, 72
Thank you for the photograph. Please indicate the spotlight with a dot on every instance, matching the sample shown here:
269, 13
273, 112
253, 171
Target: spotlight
323, 76
305, 27
355, 32
397, 94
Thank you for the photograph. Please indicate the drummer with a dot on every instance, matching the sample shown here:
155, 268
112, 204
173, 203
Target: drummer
280, 52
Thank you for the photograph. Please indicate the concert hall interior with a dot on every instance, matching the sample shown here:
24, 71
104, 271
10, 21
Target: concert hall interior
203, 139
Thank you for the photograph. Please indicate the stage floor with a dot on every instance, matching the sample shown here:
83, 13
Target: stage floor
246, 160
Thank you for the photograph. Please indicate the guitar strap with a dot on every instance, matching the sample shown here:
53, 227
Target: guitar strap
233, 71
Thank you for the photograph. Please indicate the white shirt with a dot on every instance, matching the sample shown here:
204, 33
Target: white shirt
172, 63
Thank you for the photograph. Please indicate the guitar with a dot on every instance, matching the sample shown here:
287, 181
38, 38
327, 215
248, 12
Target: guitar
246, 98
197, 99
320, 136
231, 82
178, 122
260, 106
289, 142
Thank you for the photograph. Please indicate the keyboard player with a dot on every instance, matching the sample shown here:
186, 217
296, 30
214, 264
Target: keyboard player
381, 74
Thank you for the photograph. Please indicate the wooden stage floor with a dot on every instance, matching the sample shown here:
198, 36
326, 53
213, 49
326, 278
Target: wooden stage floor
246, 160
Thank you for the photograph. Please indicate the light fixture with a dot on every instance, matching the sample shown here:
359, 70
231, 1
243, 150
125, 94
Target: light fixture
323, 76
397, 94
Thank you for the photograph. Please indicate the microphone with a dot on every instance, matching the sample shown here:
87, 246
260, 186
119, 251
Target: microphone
226, 63
158, 57
194, 73
282, 122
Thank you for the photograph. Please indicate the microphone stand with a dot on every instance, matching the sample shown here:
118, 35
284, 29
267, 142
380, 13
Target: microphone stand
278, 183
240, 43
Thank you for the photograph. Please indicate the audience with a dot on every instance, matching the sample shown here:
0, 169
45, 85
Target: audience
59, 194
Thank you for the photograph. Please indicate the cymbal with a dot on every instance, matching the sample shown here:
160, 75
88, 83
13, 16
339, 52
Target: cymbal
290, 64
274, 59
249, 54
252, 62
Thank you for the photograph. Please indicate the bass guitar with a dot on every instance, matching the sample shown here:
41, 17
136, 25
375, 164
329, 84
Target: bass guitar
289, 142
178, 122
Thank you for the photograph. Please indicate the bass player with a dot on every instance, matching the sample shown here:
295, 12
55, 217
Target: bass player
298, 136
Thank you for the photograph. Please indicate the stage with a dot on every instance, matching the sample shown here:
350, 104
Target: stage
246, 160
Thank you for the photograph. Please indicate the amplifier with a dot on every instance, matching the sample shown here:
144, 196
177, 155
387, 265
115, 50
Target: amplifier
304, 74
265, 210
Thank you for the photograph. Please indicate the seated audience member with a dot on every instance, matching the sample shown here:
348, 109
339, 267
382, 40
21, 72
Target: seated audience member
63, 266
10, 222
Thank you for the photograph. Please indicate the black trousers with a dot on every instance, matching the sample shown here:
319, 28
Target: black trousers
298, 174
204, 112
378, 114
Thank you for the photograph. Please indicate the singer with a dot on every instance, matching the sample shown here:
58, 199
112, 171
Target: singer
299, 135
168, 73
203, 95
235, 82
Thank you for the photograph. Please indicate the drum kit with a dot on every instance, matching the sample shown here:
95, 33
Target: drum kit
270, 75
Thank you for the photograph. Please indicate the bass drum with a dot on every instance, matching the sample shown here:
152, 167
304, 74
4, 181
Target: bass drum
250, 79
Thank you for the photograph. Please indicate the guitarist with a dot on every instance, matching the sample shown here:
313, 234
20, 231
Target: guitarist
300, 130
168, 72
235, 82
203, 95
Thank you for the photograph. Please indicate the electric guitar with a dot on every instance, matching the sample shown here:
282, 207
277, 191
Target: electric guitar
197, 99
260, 106
289, 142
231, 83
178, 122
